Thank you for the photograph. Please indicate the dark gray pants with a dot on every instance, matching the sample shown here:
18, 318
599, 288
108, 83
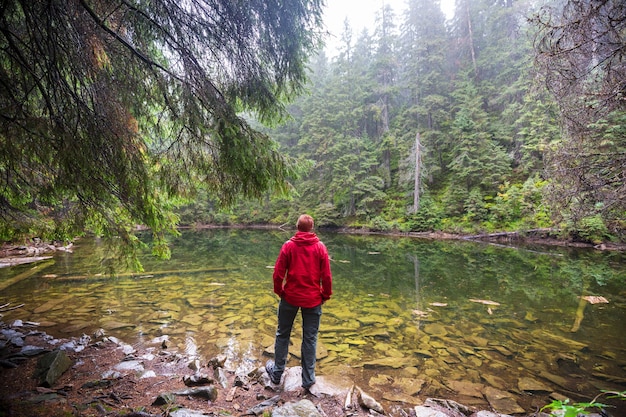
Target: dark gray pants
310, 327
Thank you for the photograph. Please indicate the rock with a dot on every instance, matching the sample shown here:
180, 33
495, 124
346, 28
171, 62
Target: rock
197, 379
51, 366
394, 363
292, 378
303, 408
7, 364
486, 413
368, 402
220, 376
136, 366
502, 401
494, 381
435, 329
532, 385
424, 411
195, 365
469, 389
452, 408
33, 350
208, 393
184, 412
162, 399
261, 407
218, 361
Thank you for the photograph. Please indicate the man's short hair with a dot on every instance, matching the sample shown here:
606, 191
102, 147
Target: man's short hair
305, 223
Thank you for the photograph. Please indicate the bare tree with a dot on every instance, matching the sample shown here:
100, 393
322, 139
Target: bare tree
581, 52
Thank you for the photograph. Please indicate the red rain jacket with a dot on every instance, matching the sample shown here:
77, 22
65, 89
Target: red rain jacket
302, 272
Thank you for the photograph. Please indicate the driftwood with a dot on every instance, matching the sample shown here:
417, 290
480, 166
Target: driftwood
26, 274
141, 274
4, 310
510, 235
5, 262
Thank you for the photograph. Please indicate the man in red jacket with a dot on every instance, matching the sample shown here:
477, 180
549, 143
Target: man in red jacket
302, 280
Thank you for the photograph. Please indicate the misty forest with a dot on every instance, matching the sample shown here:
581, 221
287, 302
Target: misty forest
510, 116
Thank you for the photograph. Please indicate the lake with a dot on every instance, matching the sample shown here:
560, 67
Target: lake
409, 318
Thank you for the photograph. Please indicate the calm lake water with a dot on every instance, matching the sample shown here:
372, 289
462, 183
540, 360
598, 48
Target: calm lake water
452, 318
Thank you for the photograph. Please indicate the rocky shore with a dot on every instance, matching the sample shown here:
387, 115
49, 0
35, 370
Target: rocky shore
101, 375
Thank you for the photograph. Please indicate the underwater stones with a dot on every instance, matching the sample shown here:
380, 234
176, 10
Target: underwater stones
50, 305
349, 326
409, 386
435, 329
494, 381
502, 350
369, 320
116, 325
193, 319
502, 401
466, 388
424, 353
532, 385
400, 397
394, 363
565, 343
355, 342
477, 341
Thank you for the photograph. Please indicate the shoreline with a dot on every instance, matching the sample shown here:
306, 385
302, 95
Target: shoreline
12, 254
106, 376
542, 237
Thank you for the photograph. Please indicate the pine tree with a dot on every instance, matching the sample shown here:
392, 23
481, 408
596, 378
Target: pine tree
111, 107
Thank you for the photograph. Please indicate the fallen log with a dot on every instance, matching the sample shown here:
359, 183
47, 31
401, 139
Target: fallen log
26, 274
510, 235
6, 262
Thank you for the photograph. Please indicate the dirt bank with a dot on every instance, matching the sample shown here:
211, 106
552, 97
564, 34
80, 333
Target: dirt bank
83, 391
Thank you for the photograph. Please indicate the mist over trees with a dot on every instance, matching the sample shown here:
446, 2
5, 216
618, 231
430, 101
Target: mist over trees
495, 96
509, 116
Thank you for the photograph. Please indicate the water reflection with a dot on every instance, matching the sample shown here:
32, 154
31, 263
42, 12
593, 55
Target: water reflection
402, 311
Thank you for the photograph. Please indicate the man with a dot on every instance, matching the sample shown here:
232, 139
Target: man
302, 280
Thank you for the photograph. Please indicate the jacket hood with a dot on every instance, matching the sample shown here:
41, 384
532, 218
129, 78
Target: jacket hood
304, 238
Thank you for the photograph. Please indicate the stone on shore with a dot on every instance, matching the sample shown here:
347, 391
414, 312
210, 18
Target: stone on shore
51, 366
303, 408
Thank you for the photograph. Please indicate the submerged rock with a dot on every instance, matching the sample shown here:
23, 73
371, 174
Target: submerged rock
502, 401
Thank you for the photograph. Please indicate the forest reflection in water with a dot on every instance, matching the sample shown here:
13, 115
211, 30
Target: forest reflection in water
451, 317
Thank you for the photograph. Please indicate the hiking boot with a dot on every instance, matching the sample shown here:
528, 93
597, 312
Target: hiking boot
269, 368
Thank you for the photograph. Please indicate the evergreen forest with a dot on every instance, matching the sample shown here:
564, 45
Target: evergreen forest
508, 116
460, 125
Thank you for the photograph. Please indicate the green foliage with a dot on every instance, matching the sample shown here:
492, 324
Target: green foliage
591, 229
559, 408
428, 217
109, 113
206, 143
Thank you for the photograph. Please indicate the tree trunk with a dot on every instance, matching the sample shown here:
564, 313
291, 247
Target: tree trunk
416, 184
471, 37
